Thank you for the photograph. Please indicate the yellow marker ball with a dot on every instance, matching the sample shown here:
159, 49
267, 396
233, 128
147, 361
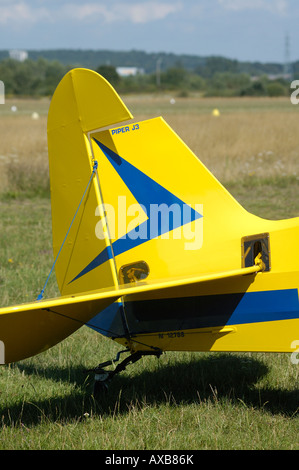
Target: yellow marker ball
215, 112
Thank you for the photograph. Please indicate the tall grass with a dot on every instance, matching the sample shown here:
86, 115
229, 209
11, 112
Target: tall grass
255, 138
23, 155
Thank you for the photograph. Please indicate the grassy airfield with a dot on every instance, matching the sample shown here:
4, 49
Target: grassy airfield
183, 401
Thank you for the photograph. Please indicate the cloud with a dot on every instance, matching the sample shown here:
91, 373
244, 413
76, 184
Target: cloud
275, 6
19, 11
126, 11
152, 11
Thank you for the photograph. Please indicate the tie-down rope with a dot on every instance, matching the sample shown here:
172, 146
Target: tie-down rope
94, 169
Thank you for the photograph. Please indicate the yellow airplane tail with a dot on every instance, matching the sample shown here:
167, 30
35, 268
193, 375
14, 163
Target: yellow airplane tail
129, 194
132, 203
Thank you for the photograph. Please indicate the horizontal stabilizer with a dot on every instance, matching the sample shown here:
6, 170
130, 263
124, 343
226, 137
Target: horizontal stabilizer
32, 328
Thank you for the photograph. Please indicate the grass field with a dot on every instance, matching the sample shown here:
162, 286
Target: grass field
182, 401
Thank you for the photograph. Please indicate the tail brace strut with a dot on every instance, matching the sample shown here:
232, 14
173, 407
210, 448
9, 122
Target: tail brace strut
103, 376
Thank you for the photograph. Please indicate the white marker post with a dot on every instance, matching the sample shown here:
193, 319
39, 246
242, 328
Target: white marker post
2, 353
2, 93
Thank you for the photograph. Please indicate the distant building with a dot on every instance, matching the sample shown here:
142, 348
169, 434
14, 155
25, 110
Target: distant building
18, 55
129, 71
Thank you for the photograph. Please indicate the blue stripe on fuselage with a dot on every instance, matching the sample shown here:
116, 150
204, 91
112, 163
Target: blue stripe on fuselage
217, 310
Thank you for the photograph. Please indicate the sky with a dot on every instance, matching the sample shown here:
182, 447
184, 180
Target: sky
253, 30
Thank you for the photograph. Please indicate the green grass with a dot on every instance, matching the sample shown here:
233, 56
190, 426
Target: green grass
228, 401
182, 401
271, 198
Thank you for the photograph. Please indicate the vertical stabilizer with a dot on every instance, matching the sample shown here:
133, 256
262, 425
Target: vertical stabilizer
82, 101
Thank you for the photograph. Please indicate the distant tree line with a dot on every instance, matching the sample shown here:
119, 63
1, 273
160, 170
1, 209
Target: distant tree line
204, 66
31, 78
214, 77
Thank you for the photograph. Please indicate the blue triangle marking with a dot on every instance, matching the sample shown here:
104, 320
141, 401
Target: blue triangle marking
149, 194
